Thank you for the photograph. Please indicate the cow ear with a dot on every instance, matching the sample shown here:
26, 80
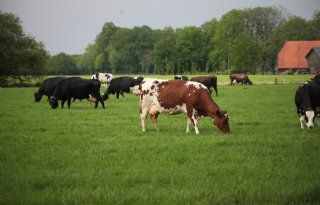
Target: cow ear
218, 113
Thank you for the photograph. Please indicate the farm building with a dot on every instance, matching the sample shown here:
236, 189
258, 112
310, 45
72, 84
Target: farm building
292, 57
313, 58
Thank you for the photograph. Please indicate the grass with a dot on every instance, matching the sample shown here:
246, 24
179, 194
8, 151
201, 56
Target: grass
87, 156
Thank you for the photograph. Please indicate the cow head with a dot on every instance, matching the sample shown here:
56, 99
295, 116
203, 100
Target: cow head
54, 103
309, 118
37, 97
221, 120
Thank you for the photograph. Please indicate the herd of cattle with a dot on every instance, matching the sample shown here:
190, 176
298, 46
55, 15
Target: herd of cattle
161, 96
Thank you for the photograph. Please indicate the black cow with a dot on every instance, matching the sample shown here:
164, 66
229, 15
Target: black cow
77, 89
47, 87
209, 81
181, 77
307, 99
121, 85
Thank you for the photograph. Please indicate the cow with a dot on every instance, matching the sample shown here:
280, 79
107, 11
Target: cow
121, 85
307, 100
181, 77
209, 81
104, 78
77, 89
240, 78
177, 96
47, 87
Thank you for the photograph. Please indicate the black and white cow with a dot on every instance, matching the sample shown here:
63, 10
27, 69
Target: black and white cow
181, 77
47, 87
121, 85
104, 78
77, 89
307, 100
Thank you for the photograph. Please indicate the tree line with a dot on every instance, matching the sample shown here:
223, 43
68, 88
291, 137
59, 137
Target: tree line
243, 40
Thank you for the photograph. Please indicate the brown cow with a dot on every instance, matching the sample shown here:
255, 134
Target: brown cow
239, 78
176, 96
209, 81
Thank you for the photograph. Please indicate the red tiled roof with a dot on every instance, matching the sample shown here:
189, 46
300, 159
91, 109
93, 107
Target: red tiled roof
293, 53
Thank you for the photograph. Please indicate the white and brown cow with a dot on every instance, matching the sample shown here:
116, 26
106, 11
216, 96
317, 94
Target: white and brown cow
176, 96
240, 78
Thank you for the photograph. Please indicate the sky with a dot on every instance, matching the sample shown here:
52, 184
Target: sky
69, 26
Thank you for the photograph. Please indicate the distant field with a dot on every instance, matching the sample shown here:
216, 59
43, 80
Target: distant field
222, 79
256, 79
87, 156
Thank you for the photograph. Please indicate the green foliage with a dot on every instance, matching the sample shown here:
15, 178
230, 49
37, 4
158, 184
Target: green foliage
62, 64
254, 35
163, 54
245, 54
190, 49
20, 54
86, 156
314, 25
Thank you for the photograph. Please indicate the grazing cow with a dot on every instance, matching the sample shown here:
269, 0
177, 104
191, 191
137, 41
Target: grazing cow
181, 77
47, 87
121, 85
209, 81
77, 89
240, 78
104, 78
174, 97
307, 100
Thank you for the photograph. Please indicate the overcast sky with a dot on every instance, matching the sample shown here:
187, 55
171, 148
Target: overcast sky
70, 25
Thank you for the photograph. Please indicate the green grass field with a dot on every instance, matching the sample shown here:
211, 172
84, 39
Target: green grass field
87, 156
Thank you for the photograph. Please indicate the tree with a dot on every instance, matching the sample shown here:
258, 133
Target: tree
314, 25
229, 28
130, 49
209, 30
246, 54
262, 23
163, 54
191, 49
20, 54
87, 60
62, 64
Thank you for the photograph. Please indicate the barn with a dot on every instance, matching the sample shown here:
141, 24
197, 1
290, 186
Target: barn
292, 57
313, 58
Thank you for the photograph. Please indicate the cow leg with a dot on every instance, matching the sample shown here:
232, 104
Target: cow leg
192, 114
154, 118
62, 103
154, 113
143, 116
189, 122
122, 95
301, 119
69, 102
102, 103
117, 94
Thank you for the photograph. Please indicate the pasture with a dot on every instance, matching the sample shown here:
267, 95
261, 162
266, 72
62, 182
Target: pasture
87, 156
